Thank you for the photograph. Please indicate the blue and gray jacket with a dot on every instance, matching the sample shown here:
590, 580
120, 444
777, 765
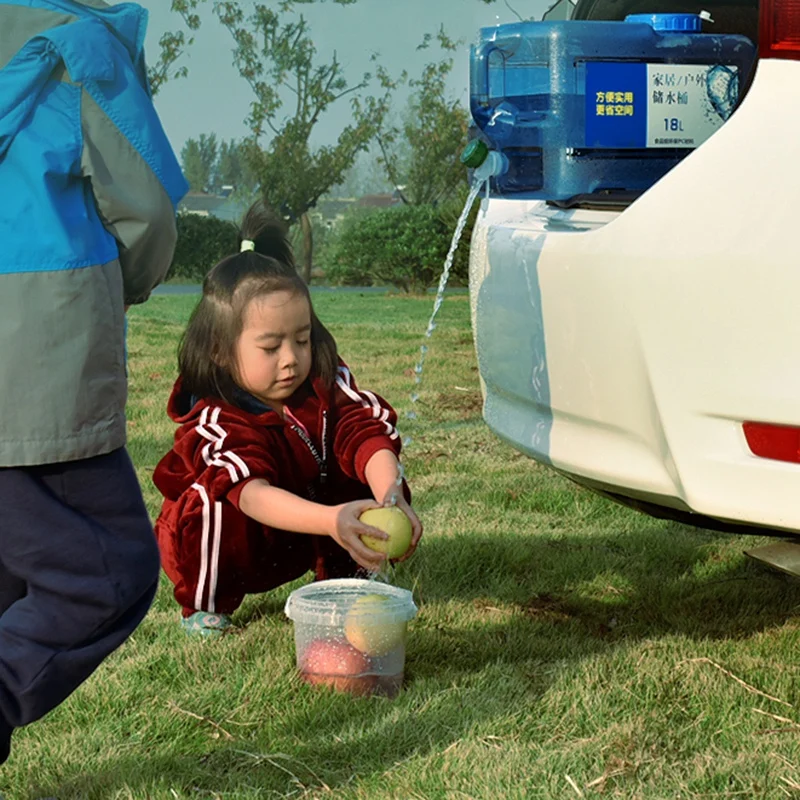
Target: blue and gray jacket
88, 190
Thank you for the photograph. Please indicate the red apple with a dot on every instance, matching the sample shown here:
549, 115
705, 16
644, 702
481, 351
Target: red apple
333, 662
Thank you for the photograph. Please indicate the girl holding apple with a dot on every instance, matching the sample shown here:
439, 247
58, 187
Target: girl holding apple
278, 452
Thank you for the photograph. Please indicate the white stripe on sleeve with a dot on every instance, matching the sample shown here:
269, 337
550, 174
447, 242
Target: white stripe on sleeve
211, 451
243, 468
367, 399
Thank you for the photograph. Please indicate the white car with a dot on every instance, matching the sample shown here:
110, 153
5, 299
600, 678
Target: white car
652, 353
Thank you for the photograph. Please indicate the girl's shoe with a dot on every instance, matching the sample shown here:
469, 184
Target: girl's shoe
203, 623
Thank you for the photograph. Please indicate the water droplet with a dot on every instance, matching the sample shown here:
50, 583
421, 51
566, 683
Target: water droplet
424, 349
407, 441
414, 397
411, 415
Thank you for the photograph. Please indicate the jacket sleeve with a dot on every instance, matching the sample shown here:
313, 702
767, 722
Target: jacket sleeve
365, 424
137, 205
217, 453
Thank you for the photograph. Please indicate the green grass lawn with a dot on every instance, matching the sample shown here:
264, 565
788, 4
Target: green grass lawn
565, 647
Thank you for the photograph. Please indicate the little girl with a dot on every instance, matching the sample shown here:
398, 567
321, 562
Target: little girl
278, 451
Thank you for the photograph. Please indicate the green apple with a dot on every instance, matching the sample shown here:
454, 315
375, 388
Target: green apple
395, 523
369, 629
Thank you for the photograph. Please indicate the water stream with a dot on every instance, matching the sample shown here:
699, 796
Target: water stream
448, 265
387, 572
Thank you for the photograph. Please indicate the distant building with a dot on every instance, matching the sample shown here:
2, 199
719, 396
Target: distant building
232, 209
384, 200
200, 203
225, 205
330, 211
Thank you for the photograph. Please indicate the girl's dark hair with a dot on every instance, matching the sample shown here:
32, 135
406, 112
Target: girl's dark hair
207, 352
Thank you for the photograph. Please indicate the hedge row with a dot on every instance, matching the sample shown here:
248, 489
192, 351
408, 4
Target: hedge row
402, 246
202, 242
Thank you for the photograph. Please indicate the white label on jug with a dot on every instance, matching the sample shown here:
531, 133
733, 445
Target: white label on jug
687, 103
657, 105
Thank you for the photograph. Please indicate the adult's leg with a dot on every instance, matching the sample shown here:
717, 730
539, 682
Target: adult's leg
5, 740
79, 536
12, 589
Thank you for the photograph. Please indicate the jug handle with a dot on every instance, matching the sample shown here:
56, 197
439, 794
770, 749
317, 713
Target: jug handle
482, 53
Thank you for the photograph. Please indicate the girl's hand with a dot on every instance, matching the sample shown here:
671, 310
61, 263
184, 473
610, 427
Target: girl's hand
348, 530
395, 497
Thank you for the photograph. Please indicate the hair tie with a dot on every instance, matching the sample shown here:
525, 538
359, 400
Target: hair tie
247, 244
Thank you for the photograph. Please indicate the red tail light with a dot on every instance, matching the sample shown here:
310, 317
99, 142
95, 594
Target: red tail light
777, 442
780, 29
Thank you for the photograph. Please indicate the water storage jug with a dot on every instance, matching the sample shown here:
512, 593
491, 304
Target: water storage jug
586, 107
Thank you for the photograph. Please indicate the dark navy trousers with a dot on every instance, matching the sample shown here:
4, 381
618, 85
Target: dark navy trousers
78, 571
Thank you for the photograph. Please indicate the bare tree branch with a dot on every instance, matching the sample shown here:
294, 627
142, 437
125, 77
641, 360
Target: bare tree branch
390, 169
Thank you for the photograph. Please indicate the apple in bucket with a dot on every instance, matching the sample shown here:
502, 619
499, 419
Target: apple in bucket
392, 521
370, 629
335, 663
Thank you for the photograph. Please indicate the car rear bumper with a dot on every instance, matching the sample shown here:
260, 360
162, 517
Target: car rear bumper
627, 349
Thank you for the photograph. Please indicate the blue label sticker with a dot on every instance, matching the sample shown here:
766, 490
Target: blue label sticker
616, 104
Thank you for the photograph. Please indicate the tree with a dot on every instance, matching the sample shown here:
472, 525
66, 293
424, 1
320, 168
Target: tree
423, 154
404, 246
174, 44
366, 176
231, 168
199, 161
209, 165
276, 56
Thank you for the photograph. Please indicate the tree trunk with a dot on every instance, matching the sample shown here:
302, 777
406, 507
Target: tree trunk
308, 247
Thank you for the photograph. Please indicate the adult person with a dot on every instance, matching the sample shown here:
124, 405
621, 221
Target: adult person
88, 190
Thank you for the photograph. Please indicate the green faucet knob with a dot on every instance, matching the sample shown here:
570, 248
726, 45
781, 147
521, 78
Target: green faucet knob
474, 154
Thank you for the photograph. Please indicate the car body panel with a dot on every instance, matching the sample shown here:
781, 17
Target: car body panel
627, 348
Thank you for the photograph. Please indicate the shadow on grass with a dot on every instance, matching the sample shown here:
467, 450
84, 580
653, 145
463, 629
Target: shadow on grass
660, 578
533, 605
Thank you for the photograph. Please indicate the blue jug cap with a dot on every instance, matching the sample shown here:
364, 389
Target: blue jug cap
669, 23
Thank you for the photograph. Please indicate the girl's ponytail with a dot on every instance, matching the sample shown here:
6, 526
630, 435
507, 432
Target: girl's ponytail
268, 233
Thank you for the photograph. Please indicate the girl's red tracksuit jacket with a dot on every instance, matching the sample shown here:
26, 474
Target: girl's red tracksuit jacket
215, 554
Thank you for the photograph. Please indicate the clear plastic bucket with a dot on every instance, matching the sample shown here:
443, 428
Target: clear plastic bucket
350, 634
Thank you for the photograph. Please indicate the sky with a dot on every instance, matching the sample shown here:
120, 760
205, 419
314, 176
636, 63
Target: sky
214, 98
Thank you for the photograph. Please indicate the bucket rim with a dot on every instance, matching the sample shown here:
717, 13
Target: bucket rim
302, 607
